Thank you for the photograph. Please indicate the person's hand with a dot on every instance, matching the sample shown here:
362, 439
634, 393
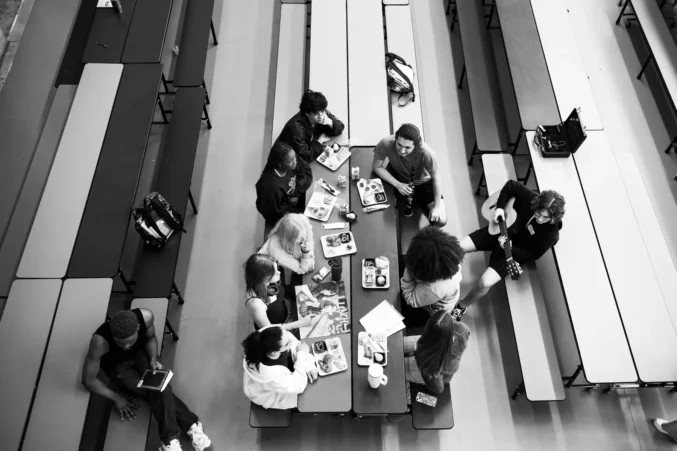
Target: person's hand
404, 189
293, 201
435, 214
503, 242
304, 246
306, 321
326, 120
303, 347
126, 408
312, 375
498, 212
155, 365
323, 138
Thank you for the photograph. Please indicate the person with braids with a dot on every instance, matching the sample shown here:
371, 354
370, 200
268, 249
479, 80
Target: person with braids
406, 153
282, 185
432, 275
277, 367
308, 130
534, 232
124, 347
432, 358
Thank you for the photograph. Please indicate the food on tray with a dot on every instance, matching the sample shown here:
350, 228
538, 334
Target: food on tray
381, 280
320, 346
364, 341
325, 363
340, 364
332, 344
379, 357
327, 200
368, 353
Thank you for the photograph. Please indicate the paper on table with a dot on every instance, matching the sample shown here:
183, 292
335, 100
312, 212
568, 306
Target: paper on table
383, 318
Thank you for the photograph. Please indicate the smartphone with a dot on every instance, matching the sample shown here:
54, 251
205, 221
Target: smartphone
426, 399
321, 273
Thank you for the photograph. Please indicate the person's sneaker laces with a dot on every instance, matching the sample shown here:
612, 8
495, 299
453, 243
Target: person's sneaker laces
200, 439
458, 312
174, 445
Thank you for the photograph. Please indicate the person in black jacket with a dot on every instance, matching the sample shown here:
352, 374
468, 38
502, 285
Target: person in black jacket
536, 229
308, 130
281, 187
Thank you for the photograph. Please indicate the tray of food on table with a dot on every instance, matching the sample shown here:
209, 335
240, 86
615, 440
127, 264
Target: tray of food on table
334, 156
376, 273
338, 244
371, 192
329, 356
320, 205
371, 349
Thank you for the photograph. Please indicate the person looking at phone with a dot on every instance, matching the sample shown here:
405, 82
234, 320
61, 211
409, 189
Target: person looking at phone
277, 367
308, 130
535, 230
124, 348
432, 358
265, 296
406, 153
432, 275
282, 185
291, 244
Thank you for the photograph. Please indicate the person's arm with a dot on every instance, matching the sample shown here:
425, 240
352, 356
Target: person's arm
257, 309
437, 188
306, 148
151, 339
514, 189
539, 247
408, 285
434, 382
304, 178
269, 204
332, 127
378, 166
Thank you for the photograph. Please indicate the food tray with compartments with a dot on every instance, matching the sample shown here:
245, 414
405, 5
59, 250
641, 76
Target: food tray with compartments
338, 244
368, 351
371, 192
376, 274
329, 356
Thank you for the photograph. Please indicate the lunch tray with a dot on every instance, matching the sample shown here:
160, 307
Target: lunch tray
371, 275
329, 346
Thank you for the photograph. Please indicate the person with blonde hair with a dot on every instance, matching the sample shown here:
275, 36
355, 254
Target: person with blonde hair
290, 243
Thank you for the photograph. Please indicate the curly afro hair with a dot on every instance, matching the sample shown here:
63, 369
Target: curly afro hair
124, 324
434, 255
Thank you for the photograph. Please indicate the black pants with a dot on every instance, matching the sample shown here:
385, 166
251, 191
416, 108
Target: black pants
172, 414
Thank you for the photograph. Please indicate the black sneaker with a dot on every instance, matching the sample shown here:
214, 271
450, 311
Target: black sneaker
458, 312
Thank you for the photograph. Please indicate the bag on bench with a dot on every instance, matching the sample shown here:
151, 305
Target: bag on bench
156, 220
400, 76
560, 141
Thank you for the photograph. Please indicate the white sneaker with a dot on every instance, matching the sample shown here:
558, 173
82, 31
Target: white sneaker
200, 439
174, 445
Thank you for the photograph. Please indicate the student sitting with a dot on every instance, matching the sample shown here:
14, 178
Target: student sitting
536, 229
313, 125
291, 244
124, 348
432, 276
279, 190
406, 154
277, 367
264, 295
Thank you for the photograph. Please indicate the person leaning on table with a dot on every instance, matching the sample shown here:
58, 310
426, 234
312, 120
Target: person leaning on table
124, 348
291, 244
406, 151
277, 367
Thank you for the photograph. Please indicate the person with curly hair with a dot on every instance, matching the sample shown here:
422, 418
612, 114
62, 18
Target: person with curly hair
534, 232
124, 348
432, 276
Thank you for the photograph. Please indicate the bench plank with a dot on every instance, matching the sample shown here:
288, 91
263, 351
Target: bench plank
29, 199
400, 32
329, 58
268, 418
605, 356
291, 57
109, 29
627, 261
491, 128
190, 67
111, 197
147, 32
60, 406
535, 345
368, 90
30, 302
132, 435
567, 71
424, 417
49, 246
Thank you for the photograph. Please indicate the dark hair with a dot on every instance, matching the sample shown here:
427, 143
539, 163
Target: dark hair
123, 324
433, 255
550, 201
258, 270
410, 132
313, 102
276, 156
434, 348
260, 343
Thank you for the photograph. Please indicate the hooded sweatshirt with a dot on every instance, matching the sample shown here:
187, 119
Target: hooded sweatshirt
275, 387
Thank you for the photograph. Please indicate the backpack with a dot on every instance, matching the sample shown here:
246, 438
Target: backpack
156, 220
400, 76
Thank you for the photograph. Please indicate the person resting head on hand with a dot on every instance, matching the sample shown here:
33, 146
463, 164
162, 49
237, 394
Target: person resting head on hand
277, 367
291, 243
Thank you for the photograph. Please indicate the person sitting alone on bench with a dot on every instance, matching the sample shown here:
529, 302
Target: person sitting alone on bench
124, 348
536, 229
281, 188
407, 153
277, 367
291, 244
432, 276
265, 296
311, 127
432, 358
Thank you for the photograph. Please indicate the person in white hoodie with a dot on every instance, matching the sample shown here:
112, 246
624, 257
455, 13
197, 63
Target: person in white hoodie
432, 276
291, 244
277, 367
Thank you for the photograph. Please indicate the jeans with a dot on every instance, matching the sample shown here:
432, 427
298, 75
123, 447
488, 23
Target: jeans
172, 414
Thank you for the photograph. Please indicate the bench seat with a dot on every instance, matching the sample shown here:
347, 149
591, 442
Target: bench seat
540, 371
190, 65
424, 417
268, 418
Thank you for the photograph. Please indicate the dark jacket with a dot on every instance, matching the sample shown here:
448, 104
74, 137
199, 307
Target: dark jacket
525, 246
273, 194
436, 382
302, 136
